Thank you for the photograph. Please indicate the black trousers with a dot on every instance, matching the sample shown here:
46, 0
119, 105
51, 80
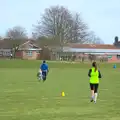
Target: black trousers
94, 87
44, 73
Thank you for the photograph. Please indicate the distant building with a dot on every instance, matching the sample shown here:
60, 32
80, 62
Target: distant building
110, 51
27, 49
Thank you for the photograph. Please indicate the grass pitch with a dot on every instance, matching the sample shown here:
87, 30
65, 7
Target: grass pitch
22, 97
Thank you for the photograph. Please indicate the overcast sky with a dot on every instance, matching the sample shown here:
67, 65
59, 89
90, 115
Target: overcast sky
102, 16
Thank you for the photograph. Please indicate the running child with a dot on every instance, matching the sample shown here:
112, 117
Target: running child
94, 75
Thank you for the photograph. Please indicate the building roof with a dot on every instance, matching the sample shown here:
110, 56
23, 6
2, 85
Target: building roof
8, 43
93, 46
89, 50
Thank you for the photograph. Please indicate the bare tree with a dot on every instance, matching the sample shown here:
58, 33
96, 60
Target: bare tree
99, 41
17, 32
47, 41
58, 22
34, 36
79, 30
0, 38
55, 23
93, 39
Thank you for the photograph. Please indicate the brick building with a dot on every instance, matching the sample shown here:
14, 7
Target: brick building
27, 49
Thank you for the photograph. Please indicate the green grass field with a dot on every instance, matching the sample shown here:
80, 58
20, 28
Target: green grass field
22, 97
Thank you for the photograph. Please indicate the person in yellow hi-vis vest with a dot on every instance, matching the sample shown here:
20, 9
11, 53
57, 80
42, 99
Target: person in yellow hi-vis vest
94, 75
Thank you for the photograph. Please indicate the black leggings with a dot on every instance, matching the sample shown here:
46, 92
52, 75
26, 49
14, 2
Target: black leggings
44, 75
94, 87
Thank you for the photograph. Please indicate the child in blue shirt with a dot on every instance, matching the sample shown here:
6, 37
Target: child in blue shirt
43, 71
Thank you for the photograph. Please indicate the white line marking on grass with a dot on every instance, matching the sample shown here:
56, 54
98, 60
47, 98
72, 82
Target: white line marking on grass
102, 100
7, 115
104, 89
11, 91
7, 112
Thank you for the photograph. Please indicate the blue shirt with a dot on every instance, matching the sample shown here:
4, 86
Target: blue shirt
44, 67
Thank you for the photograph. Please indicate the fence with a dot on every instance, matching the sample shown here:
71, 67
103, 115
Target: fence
84, 57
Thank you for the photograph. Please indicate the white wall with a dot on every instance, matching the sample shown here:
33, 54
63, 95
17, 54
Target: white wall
67, 49
5, 52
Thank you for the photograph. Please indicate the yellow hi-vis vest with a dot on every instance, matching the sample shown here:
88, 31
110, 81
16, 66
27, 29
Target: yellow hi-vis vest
94, 76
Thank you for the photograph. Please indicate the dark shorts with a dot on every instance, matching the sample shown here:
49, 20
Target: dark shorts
44, 74
94, 87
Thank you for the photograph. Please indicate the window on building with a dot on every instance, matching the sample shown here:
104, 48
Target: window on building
37, 51
29, 53
118, 56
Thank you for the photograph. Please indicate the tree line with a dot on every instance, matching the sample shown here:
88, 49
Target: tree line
59, 25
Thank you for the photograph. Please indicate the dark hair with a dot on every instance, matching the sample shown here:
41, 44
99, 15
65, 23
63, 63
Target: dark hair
94, 64
44, 61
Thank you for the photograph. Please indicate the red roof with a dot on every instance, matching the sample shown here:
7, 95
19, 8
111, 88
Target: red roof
93, 46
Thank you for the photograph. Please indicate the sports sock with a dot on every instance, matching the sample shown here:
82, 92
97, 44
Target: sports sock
41, 77
95, 97
92, 97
